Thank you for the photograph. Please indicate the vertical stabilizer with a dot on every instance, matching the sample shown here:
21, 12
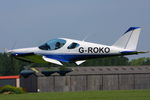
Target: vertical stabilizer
129, 40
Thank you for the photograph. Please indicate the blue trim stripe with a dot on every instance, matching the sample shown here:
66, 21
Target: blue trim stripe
22, 54
128, 52
131, 28
74, 57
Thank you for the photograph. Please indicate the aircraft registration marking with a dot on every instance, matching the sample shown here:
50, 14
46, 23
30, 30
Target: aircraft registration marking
94, 50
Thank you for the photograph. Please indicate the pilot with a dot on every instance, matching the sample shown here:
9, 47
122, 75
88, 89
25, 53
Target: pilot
57, 45
47, 47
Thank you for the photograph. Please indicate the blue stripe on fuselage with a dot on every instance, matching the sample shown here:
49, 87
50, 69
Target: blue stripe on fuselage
128, 52
74, 57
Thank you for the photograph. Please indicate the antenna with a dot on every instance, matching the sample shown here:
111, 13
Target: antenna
14, 45
86, 37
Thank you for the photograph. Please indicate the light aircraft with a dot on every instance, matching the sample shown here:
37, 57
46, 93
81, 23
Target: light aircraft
64, 50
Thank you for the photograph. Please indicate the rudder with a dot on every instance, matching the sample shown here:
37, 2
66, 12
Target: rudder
129, 40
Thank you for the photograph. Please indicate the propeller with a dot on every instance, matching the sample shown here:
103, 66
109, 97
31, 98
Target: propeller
7, 51
8, 54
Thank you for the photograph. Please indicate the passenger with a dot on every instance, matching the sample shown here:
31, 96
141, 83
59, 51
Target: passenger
47, 46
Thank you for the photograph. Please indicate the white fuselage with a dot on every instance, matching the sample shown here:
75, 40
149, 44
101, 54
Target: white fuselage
69, 50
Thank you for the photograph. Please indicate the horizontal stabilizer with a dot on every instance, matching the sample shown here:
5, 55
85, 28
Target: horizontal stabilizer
143, 51
133, 52
52, 60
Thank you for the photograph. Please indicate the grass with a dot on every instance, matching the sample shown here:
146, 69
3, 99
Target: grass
88, 95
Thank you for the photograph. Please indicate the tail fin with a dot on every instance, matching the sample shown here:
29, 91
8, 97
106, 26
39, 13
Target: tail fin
130, 39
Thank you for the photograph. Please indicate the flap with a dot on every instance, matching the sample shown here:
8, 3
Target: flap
80, 62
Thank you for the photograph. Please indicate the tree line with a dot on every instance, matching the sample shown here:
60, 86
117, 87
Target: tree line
12, 66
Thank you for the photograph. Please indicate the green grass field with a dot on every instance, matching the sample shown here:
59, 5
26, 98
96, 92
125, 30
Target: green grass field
89, 95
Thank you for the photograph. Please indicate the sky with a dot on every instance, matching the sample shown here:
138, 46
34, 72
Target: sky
28, 23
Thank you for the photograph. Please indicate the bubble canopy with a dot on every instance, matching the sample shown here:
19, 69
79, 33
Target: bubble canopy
53, 44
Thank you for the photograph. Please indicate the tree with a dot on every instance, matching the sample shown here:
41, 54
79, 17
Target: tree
108, 61
140, 61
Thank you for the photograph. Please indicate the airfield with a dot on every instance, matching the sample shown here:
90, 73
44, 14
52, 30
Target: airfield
134, 85
90, 79
88, 95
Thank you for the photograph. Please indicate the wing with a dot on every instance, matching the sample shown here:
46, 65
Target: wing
31, 57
